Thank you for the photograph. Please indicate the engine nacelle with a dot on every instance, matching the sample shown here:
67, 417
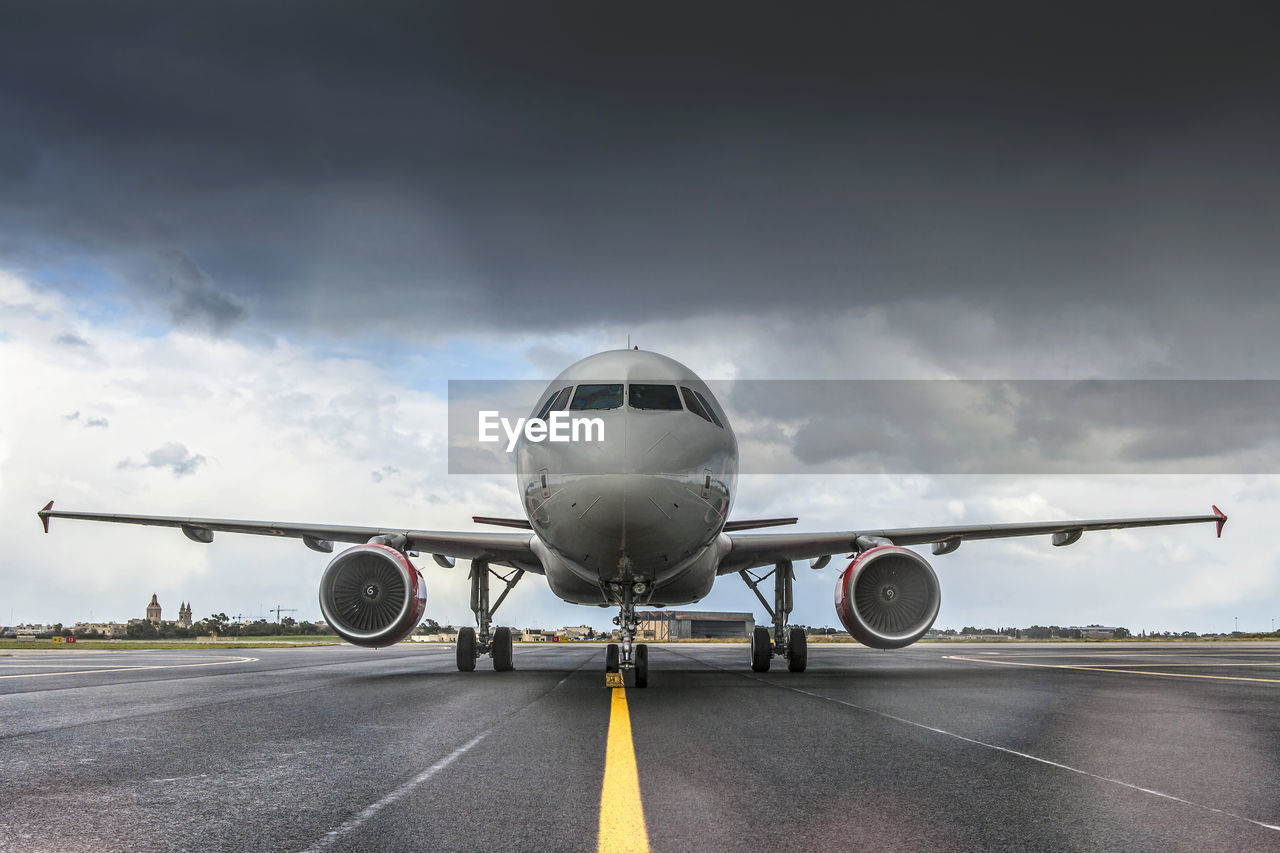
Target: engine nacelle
371, 595
888, 597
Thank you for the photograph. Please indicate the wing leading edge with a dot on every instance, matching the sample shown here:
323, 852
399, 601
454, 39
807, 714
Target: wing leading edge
502, 548
763, 549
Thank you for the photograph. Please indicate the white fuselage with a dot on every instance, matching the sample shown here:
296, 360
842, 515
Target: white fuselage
645, 504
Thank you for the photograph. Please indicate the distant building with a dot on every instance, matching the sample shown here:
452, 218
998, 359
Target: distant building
1094, 632
660, 625
153, 610
577, 632
106, 629
184, 615
433, 638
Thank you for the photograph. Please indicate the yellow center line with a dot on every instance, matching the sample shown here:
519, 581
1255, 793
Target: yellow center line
621, 812
1087, 668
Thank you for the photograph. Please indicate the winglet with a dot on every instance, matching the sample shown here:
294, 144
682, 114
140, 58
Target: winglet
44, 515
1222, 520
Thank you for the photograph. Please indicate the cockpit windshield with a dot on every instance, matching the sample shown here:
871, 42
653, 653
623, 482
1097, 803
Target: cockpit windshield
597, 397
698, 404
710, 409
554, 403
663, 397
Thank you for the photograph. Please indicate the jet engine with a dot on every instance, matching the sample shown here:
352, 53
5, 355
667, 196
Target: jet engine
888, 597
371, 595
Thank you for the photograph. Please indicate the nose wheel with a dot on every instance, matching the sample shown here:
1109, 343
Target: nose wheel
624, 655
615, 662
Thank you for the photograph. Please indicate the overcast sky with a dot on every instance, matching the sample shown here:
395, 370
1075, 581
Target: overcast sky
243, 246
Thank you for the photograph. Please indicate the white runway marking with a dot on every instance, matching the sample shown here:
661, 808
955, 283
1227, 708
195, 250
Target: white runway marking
369, 811
1003, 749
1026, 755
1122, 670
331, 837
128, 668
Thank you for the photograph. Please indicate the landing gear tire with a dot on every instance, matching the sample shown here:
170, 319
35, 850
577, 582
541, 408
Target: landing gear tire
466, 649
797, 650
502, 650
761, 650
642, 665
611, 658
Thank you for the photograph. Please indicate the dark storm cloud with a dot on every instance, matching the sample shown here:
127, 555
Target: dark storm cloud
194, 298
1013, 427
548, 166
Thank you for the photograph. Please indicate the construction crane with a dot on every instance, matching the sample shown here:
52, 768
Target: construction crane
277, 610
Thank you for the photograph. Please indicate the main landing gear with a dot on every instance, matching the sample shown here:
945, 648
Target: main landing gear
785, 642
627, 656
496, 643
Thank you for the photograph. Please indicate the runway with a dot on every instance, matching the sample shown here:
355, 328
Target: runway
937, 747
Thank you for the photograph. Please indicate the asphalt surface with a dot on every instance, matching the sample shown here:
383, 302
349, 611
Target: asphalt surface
937, 747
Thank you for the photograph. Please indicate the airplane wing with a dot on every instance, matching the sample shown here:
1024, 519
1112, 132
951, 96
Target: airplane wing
765, 549
511, 549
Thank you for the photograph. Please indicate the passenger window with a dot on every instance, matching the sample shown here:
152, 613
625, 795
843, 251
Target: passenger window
710, 411
692, 404
554, 403
597, 397
663, 397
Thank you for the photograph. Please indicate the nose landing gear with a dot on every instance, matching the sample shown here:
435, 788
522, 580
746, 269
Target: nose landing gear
627, 656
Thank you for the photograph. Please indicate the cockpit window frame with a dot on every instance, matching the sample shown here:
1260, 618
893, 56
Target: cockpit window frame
715, 419
621, 395
691, 404
555, 402
631, 386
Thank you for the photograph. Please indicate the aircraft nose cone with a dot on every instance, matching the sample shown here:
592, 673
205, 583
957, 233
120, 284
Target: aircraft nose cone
628, 526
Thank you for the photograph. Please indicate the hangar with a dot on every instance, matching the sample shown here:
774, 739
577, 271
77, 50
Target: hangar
660, 625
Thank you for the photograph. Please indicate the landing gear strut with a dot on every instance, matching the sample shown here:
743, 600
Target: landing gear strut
634, 657
785, 642
484, 640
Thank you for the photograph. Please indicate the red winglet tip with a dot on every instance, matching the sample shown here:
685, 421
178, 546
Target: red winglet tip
1222, 520
44, 518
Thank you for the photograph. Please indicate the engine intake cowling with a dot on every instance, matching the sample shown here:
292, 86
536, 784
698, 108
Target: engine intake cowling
888, 597
371, 595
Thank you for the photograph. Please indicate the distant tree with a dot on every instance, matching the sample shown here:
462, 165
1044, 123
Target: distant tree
1122, 634
1038, 632
142, 629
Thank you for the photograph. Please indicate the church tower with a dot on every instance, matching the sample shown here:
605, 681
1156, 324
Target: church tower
153, 610
184, 615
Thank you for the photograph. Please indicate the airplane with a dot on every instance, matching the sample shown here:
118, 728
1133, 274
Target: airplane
638, 518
